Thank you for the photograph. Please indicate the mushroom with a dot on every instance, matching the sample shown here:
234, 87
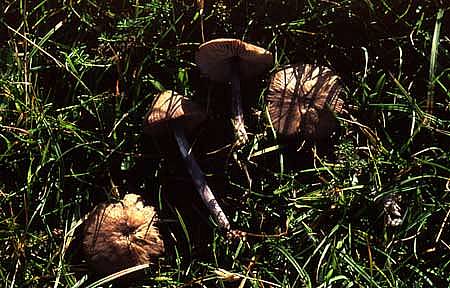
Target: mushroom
177, 113
301, 98
226, 60
121, 235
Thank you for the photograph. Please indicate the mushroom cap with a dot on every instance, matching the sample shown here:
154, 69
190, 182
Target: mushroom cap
121, 235
170, 106
301, 98
215, 59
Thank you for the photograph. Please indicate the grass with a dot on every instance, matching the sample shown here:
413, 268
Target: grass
76, 80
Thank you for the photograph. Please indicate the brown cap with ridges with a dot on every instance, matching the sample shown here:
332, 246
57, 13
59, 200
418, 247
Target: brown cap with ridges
299, 94
214, 58
170, 106
121, 235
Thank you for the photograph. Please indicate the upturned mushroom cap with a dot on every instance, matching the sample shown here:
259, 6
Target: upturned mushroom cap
215, 57
301, 98
170, 106
121, 235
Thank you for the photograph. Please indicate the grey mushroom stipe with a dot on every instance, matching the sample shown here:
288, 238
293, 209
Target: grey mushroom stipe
177, 113
231, 60
237, 119
198, 178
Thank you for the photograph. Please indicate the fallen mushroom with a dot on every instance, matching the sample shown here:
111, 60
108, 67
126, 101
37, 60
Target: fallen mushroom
301, 98
226, 60
121, 235
177, 113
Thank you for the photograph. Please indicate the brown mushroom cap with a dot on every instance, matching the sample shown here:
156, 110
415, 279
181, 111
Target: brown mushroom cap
214, 58
301, 97
170, 106
121, 235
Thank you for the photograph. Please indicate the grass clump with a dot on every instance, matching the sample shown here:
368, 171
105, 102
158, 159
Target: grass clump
76, 80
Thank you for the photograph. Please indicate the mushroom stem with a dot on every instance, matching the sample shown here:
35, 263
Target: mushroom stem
236, 105
199, 178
